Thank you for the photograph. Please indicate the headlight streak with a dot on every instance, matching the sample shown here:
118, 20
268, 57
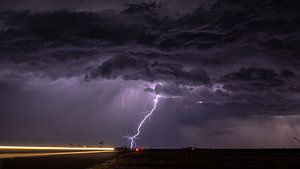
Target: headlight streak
56, 148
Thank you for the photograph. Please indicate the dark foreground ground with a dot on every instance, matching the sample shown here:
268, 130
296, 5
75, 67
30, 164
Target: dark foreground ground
166, 159
80, 161
206, 159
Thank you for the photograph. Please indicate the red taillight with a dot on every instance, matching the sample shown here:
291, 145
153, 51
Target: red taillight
137, 149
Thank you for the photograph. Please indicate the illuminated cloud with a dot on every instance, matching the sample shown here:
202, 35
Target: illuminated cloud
217, 66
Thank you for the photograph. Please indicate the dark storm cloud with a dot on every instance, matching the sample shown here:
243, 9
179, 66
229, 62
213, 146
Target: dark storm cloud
225, 24
252, 79
131, 68
142, 43
257, 91
259, 81
60, 4
202, 39
96, 5
233, 59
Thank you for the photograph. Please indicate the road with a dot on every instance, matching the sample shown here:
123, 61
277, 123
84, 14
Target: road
34, 151
19, 157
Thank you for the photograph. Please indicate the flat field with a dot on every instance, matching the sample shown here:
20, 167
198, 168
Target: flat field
206, 159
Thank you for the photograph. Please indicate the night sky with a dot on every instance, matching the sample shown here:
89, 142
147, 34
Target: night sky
84, 71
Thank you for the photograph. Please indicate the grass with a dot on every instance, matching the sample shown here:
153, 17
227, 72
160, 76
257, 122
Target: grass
204, 159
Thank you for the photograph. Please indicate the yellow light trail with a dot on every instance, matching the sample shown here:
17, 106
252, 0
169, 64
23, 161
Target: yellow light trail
19, 155
56, 148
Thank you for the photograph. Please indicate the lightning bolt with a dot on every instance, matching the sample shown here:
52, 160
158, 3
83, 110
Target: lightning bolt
123, 98
149, 113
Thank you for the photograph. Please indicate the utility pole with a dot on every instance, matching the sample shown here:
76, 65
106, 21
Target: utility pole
297, 140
